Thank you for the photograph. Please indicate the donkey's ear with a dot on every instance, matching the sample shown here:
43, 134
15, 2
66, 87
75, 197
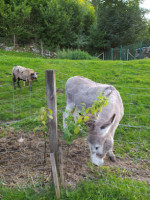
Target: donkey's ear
110, 122
112, 119
106, 127
91, 122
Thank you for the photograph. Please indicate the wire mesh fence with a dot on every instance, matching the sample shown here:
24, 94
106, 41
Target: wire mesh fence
25, 155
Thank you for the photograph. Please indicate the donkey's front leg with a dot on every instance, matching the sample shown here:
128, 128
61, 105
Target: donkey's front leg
68, 110
112, 155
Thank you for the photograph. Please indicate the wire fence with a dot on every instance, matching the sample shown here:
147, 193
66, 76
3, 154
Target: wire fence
24, 155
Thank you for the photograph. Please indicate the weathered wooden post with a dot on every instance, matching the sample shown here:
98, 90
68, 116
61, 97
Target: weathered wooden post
52, 126
55, 175
52, 104
55, 150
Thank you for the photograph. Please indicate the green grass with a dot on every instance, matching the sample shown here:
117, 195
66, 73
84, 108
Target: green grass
132, 139
104, 187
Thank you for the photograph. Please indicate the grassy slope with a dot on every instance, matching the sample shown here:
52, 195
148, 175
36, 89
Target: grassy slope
131, 78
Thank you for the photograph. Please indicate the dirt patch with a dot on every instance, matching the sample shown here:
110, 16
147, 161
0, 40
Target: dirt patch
24, 158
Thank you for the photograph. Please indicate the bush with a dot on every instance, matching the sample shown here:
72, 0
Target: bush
74, 55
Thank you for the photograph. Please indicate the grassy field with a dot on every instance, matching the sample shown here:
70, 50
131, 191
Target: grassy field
131, 78
113, 188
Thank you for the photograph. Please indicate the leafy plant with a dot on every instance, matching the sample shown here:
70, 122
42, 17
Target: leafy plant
42, 118
78, 126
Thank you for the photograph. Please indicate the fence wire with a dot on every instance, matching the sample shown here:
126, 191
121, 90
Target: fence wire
24, 155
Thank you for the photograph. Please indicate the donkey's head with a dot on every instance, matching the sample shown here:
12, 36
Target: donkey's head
100, 139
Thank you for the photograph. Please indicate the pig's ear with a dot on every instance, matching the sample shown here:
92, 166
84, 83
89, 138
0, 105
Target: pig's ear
91, 122
107, 125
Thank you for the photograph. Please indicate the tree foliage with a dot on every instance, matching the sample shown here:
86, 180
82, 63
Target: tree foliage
118, 22
55, 22
91, 25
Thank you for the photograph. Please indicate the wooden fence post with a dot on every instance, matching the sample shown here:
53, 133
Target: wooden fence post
52, 123
112, 51
41, 48
127, 54
61, 168
103, 55
120, 52
55, 175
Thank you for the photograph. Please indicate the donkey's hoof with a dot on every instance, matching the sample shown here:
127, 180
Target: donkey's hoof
113, 158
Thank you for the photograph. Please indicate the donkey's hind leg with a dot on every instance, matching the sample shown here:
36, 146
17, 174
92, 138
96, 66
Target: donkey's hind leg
76, 114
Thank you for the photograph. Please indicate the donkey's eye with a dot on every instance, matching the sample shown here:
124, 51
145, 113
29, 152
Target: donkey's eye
103, 127
96, 148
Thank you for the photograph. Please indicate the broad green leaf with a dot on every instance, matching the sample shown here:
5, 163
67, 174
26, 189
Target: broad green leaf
100, 109
86, 118
79, 119
87, 110
41, 117
50, 111
43, 122
50, 116
76, 130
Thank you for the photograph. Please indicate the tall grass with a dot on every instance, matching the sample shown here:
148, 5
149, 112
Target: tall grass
74, 55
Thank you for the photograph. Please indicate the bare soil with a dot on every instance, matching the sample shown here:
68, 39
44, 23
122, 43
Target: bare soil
24, 159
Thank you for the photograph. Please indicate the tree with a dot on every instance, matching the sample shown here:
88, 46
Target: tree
61, 22
14, 16
3, 17
118, 22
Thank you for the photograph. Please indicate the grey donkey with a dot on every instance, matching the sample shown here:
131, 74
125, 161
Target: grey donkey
102, 128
